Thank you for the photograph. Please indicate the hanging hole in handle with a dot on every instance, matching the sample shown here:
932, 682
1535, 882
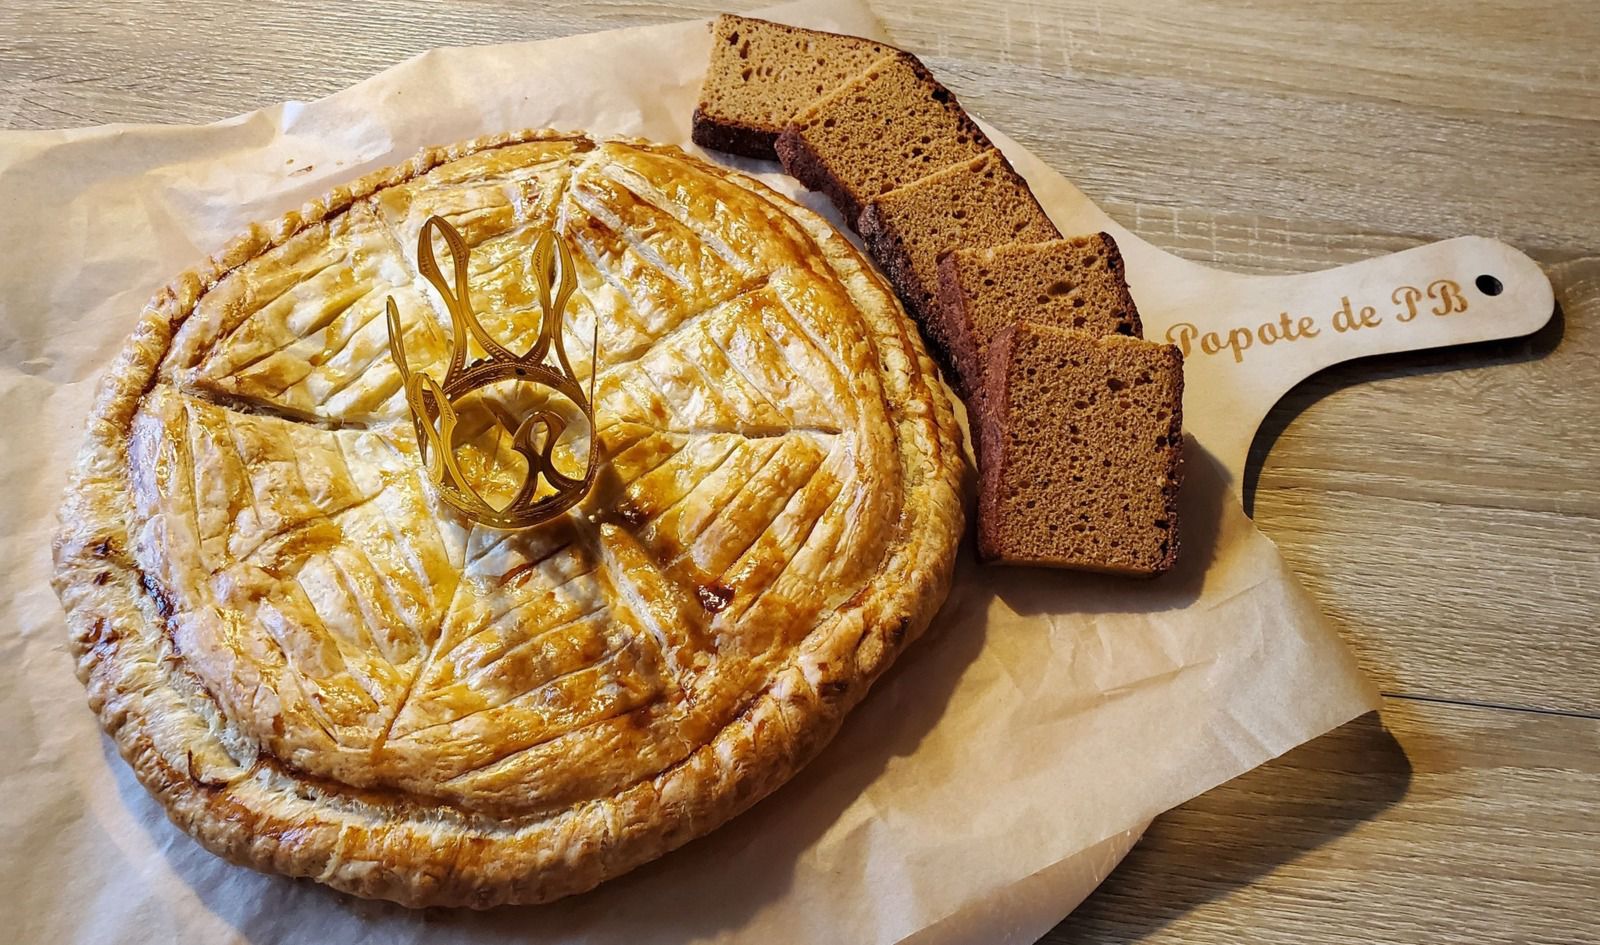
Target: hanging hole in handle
1489, 285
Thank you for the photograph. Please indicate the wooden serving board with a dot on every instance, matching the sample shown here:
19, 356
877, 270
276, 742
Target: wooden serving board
1247, 340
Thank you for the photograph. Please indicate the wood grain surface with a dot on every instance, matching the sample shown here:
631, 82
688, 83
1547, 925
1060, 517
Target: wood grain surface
1444, 508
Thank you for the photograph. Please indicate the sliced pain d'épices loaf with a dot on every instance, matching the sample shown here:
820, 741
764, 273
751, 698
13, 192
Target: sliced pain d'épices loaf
1077, 419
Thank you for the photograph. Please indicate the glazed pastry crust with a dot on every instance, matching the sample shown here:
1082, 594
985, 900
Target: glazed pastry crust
396, 822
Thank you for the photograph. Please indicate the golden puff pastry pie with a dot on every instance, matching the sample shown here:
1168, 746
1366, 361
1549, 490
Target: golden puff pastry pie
323, 670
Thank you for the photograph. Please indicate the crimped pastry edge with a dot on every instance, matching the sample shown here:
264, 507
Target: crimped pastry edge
400, 850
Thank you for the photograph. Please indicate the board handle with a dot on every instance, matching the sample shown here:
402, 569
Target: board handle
1247, 340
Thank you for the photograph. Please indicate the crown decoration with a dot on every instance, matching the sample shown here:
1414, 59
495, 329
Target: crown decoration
434, 406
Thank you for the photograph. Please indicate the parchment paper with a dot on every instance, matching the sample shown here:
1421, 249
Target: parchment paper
984, 788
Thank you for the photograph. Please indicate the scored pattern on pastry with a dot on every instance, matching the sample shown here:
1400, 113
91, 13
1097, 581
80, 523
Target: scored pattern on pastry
361, 631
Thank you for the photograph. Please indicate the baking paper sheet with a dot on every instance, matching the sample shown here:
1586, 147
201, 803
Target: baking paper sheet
984, 788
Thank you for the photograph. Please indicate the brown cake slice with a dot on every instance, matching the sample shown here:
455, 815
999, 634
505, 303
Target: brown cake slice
761, 73
1074, 283
1082, 442
888, 126
975, 204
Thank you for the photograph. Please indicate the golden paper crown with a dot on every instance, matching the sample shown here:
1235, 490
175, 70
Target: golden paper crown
434, 406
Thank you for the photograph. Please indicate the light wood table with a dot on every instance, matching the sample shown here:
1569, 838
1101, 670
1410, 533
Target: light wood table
1443, 508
